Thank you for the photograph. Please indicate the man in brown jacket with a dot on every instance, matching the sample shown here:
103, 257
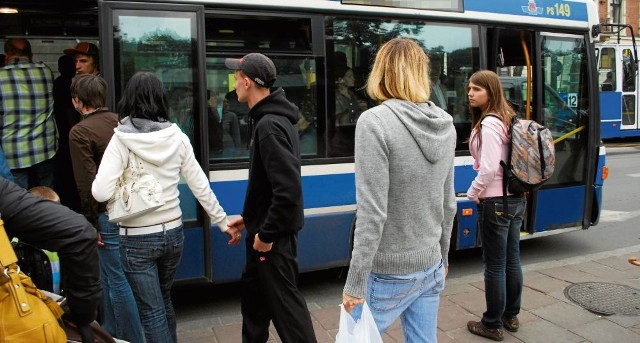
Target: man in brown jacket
87, 142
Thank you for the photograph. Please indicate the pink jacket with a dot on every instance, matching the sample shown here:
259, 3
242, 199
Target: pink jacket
495, 147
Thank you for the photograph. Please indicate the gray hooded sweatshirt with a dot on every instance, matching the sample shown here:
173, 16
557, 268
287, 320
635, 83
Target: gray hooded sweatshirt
404, 191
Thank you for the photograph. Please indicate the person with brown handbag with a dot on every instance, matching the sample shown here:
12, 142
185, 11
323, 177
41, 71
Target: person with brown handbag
54, 227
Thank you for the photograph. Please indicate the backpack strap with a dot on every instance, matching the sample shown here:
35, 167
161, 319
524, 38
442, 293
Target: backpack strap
506, 170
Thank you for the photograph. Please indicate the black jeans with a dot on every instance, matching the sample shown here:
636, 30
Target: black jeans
503, 279
270, 292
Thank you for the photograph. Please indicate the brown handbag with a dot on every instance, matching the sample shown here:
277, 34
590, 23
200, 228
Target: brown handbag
26, 314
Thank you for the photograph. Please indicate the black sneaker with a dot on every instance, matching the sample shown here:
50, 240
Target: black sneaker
511, 324
477, 328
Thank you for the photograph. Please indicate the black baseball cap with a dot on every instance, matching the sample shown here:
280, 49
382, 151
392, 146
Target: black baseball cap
257, 67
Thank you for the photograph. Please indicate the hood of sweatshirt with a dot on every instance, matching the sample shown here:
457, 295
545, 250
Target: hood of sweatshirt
275, 103
431, 127
149, 140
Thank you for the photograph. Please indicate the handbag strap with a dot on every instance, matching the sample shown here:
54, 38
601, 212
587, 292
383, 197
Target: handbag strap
7, 256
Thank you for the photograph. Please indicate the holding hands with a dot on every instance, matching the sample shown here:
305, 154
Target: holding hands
236, 226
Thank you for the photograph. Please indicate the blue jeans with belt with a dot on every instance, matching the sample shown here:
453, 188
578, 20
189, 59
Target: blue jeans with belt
150, 262
118, 308
500, 234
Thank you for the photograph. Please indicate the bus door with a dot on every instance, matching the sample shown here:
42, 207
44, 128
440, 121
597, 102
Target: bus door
629, 89
163, 39
610, 95
559, 99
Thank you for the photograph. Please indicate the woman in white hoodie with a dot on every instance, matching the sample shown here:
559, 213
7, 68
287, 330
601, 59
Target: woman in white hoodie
151, 245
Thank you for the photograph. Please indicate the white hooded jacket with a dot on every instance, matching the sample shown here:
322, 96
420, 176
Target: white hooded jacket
166, 153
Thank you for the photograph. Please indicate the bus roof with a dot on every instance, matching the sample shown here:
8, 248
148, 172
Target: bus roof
574, 14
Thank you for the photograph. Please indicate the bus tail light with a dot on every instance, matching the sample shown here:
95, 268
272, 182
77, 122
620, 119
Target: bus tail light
605, 172
467, 212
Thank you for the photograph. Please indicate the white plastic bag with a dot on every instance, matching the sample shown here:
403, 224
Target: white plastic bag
362, 331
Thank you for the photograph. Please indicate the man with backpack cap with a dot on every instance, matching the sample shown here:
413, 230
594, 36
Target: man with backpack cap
273, 211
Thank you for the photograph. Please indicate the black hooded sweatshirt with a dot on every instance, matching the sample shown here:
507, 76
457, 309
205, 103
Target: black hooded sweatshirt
273, 203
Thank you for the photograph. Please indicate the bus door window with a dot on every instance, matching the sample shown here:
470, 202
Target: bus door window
629, 108
288, 44
566, 104
163, 44
607, 69
453, 50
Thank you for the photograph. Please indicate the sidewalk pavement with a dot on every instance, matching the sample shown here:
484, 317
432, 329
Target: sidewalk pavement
546, 315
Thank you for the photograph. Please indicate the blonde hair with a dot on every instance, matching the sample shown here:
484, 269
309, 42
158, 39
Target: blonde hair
45, 193
400, 71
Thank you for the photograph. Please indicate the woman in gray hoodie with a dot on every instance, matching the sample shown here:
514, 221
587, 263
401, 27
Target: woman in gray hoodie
404, 151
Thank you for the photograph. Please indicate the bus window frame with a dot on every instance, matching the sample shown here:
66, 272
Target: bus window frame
317, 53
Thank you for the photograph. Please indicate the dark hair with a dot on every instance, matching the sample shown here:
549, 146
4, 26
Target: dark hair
18, 46
144, 97
90, 89
66, 66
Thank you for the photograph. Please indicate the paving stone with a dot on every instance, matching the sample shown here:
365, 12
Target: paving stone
322, 335
623, 320
545, 284
532, 299
478, 284
328, 318
546, 315
228, 333
463, 335
543, 331
526, 317
604, 272
569, 274
617, 262
604, 331
199, 324
226, 320
452, 288
197, 336
566, 315
471, 301
452, 317
393, 335
444, 338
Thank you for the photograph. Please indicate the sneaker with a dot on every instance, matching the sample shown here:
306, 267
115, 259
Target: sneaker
511, 324
477, 328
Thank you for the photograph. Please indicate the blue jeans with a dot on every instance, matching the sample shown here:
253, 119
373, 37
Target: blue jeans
118, 308
503, 279
150, 263
414, 298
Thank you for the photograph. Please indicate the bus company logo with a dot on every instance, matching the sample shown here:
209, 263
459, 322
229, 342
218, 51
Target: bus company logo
532, 8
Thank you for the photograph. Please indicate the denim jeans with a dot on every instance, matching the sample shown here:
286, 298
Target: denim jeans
503, 279
118, 308
150, 263
413, 297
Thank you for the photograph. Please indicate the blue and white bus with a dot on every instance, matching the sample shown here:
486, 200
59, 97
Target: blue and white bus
619, 85
543, 49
